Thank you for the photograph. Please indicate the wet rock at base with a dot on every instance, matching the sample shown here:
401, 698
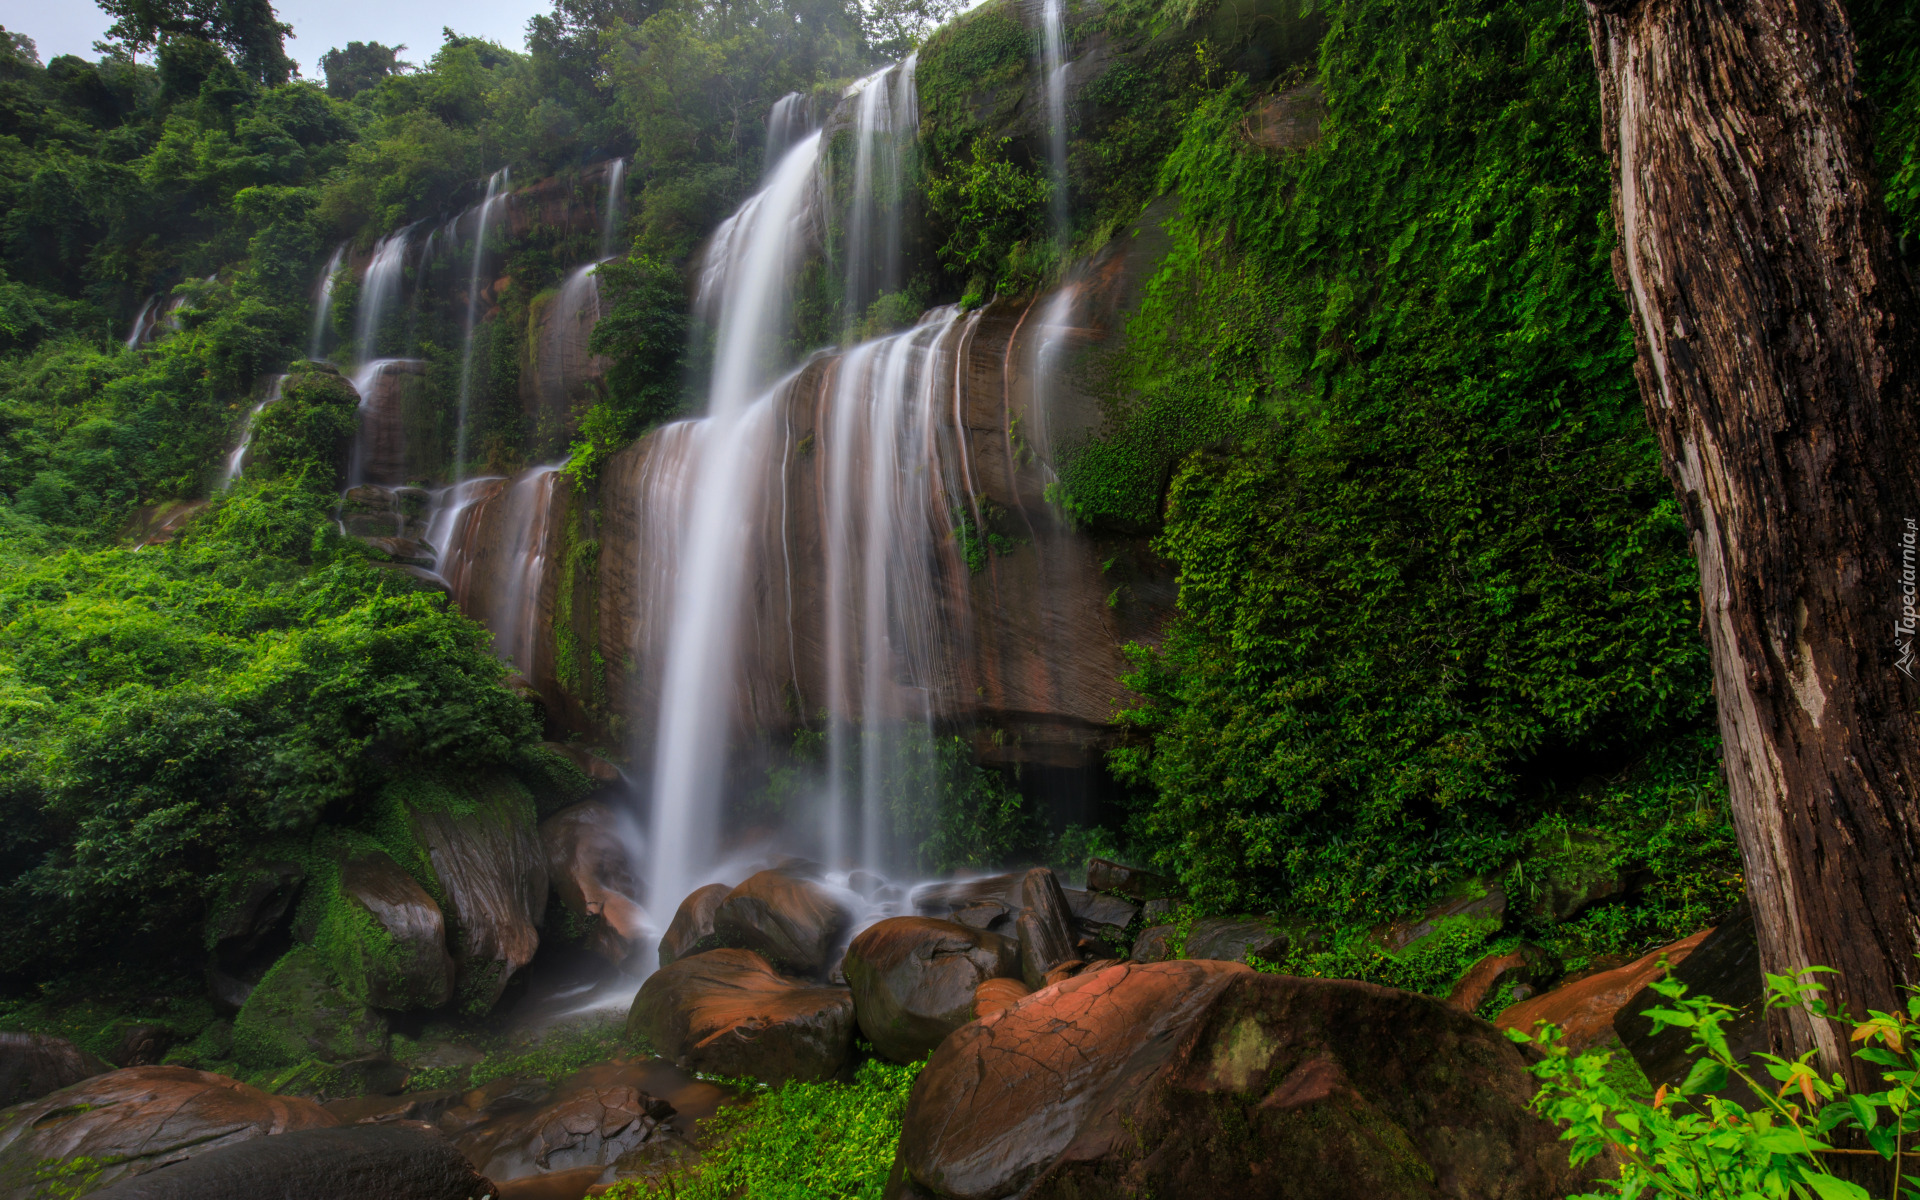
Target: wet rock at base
995, 994
1101, 916
1726, 966
1155, 944
366, 1162
1206, 1078
381, 1110
728, 1012
1044, 926
585, 1124
593, 873
952, 895
1584, 1009
786, 918
33, 1064
914, 980
1104, 875
479, 836
1232, 939
142, 1044
692, 927
985, 914
405, 964
1527, 967
297, 1013
140, 1118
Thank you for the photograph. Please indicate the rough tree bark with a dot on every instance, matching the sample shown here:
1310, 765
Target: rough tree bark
1777, 360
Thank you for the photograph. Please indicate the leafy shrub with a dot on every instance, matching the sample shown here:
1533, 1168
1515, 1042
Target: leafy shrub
1686, 1142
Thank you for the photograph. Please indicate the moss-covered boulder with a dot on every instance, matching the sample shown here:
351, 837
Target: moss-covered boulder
473, 842
384, 937
299, 1012
1569, 870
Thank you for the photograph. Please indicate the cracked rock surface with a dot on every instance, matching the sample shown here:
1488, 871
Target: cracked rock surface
1203, 1078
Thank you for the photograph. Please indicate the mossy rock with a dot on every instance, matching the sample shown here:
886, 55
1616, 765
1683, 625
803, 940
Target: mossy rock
1470, 913
298, 1012
1567, 871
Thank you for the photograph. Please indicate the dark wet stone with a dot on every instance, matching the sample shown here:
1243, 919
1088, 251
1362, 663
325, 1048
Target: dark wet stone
914, 979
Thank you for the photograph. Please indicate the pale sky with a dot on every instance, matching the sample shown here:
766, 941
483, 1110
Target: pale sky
72, 26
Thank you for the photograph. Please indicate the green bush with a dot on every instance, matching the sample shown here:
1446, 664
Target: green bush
1430, 577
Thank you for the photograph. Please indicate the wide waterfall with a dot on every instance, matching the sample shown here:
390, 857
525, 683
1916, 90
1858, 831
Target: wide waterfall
824, 556
744, 288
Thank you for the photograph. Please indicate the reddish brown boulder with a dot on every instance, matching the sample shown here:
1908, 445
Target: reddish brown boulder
1045, 926
414, 969
1207, 1079
366, 1162
1527, 967
914, 979
587, 1123
588, 861
138, 1119
728, 1012
33, 1064
692, 923
791, 920
995, 994
1584, 1009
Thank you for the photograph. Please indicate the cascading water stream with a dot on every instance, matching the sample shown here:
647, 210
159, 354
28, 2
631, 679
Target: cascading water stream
885, 118
143, 322
744, 284
324, 307
496, 188
787, 120
378, 290
616, 202
887, 498
238, 459
1053, 43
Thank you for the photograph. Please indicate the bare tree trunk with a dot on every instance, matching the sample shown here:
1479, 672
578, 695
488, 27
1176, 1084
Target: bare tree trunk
1777, 360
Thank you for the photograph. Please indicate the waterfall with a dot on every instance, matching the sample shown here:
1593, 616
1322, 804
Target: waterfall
616, 200
788, 119
887, 496
493, 539
143, 322
378, 290
324, 308
495, 192
238, 459
744, 284
884, 124
1054, 43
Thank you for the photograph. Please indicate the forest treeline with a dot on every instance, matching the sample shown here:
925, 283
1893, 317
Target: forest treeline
1437, 616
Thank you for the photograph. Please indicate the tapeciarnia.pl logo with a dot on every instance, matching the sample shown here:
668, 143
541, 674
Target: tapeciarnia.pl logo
1903, 627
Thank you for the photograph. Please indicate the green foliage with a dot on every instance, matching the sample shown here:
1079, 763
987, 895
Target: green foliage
643, 330
994, 209
1432, 575
1687, 1142
801, 1140
1888, 58
162, 712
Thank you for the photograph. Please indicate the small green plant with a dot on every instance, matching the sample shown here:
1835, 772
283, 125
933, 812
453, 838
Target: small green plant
1688, 1142
67, 1179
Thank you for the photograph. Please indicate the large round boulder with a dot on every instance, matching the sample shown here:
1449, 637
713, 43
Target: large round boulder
914, 978
135, 1120
298, 1012
1200, 1078
730, 1013
590, 860
366, 1162
789, 919
33, 1064
692, 927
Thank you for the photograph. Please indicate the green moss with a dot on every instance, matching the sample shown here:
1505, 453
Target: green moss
297, 1012
799, 1140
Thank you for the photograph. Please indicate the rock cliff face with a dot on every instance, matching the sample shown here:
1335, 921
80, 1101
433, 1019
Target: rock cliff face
1029, 613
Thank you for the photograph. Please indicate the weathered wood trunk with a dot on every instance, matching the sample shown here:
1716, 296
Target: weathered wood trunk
1777, 359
